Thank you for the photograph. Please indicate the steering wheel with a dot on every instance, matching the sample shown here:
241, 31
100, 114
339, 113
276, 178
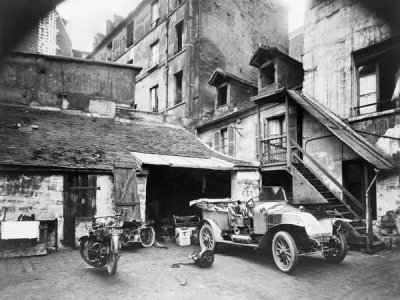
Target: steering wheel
248, 202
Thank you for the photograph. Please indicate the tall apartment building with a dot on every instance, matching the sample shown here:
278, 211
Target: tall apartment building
48, 37
180, 43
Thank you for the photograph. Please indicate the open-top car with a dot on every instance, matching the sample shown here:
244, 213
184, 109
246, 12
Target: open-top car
268, 222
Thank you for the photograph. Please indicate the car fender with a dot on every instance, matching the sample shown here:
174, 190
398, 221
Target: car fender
82, 238
217, 231
298, 233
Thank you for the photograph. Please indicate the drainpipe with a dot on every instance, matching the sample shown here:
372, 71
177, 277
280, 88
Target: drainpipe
368, 218
166, 59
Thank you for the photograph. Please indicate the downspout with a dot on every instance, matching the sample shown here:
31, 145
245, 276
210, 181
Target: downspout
368, 218
166, 59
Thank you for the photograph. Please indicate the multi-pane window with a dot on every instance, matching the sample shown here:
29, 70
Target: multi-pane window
378, 74
367, 88
178, 87
154, 99
222, 96
154, 54
224, 141
274, 144
179, 36
155, 13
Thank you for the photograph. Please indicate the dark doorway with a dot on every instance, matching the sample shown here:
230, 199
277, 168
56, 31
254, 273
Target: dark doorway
356, 182
169, 190
79, 202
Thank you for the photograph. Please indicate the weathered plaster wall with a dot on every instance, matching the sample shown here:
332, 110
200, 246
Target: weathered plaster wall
388, 193
327, 58
245, 184
27, 193
248, 23
105, 196
41, 80
142, 185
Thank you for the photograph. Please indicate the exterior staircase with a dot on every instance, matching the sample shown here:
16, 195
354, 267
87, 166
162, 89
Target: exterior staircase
334, 205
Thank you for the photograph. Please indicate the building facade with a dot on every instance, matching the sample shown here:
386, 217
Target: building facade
48, 37
181, 43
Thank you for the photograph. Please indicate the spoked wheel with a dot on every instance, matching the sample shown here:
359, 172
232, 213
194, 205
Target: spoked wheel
90, 252
112, 263
338, 249
284, 251
206, 259
147, 236
207, 237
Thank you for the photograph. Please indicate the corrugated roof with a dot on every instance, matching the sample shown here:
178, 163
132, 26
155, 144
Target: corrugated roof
74, 141
342, 131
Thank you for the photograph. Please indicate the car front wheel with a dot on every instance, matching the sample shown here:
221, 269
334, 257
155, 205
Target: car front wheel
207, 237
285, 252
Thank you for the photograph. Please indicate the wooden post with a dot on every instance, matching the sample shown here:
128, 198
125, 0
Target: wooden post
288, 144
368, 218
260, 150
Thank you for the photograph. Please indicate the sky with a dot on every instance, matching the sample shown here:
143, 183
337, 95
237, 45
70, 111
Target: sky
87, 17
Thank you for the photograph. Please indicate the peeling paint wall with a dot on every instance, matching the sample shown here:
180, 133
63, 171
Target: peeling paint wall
388, 193
41, 80
327, 61
27, 193
245, 184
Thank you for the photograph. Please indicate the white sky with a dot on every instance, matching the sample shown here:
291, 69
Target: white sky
87, 17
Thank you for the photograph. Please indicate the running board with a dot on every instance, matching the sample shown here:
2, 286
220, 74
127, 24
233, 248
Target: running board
254, 246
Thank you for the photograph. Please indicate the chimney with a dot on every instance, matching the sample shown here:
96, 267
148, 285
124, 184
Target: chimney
109, 26
117, 20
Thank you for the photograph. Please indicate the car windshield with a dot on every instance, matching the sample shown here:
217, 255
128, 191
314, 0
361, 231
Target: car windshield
272, 193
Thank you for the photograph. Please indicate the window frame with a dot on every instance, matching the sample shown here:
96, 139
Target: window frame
130, 34
178, 76
179, 37
155, 18
155, 107
226, 86
157, 59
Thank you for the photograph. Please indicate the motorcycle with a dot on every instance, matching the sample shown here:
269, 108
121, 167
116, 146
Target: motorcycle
138, 232
103, 245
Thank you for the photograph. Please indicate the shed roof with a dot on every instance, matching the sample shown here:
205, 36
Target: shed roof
342, 131
74, 141
220, 76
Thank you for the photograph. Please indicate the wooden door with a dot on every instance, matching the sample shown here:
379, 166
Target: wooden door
126, 192
79, 202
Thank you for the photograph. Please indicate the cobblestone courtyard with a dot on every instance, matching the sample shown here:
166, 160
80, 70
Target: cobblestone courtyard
236, 274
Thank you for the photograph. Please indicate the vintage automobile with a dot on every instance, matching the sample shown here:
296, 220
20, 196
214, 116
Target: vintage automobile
267, 222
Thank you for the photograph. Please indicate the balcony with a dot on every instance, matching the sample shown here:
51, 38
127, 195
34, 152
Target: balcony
274, 151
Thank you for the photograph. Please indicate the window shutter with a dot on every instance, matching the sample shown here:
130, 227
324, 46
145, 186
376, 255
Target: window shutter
216, 141
257, 141
231, 141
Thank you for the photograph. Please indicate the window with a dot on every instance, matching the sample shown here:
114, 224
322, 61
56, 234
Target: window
154, 54
109, 45
222, 96
129, 35
178, 87
155, 13
224, 141
179, 36
378, 74
274, 147
154, 99
267, 75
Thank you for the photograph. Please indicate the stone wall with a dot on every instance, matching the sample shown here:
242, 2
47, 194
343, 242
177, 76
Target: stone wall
345, 26
42, 80
245, 184
31, 193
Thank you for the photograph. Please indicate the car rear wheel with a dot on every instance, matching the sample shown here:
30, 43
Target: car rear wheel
285, 252
207, 237
338, 249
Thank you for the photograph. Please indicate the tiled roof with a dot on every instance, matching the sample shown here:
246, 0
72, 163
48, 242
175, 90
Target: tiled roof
74, 141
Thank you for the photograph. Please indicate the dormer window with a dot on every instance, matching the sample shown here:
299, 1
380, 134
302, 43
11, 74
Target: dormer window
267, 74
222, 95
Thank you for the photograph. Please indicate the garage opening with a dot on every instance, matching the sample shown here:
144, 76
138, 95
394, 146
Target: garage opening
169, 190
279, 178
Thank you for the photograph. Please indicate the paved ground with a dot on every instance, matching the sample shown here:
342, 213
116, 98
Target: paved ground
236, 274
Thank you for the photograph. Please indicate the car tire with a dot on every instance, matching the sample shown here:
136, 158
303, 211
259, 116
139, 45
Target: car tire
337, 255
207, 237
284, 251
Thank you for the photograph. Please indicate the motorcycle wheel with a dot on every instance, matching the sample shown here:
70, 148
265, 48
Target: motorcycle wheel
84, 251
112, 263
147, 236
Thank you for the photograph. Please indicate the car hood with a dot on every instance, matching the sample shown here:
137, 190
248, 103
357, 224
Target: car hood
292, 215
